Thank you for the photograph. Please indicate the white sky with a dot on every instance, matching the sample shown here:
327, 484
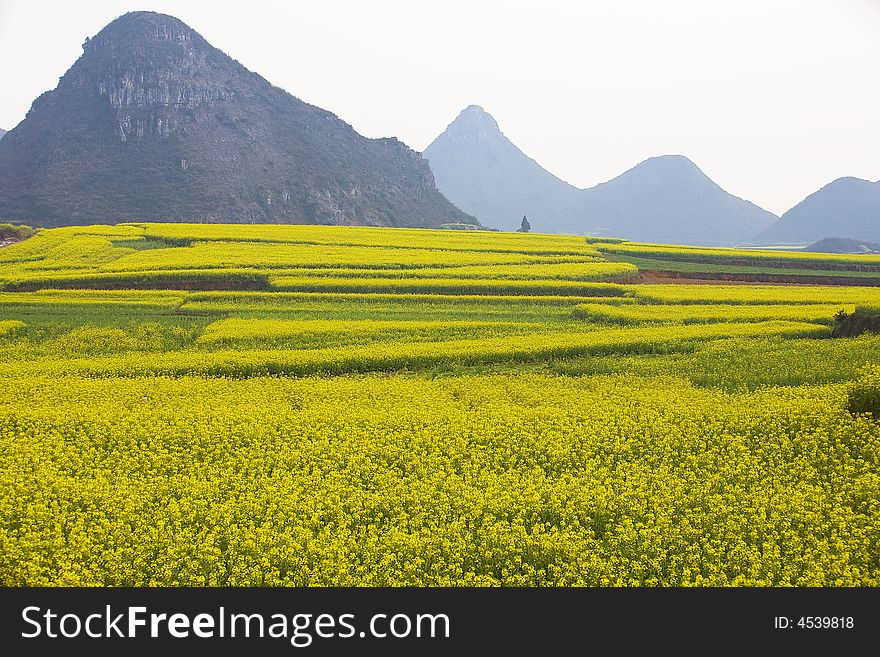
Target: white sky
771, 98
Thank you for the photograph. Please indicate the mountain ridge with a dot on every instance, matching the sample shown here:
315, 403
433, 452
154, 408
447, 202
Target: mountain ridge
154, 123
668, 198
847, 207
524, 186
479, 169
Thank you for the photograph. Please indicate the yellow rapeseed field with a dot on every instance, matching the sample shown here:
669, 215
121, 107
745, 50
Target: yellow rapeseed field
241, 405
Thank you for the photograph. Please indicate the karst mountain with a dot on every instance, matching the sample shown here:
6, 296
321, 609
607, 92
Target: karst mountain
845, 208
154, 123
663, 199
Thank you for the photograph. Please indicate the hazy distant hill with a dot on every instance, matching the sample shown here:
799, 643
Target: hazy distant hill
485, 174
153, 123
664, 199
668, 199
2, 132
843, 245
847, 207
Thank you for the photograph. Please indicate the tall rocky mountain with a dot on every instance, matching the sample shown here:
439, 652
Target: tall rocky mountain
489, 177
153, 123
2, 132
665, 199
669, 199
847, 207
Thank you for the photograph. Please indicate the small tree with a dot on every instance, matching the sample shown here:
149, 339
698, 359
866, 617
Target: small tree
525, 227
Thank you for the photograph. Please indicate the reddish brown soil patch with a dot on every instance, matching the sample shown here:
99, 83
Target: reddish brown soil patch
655, 276
775, 264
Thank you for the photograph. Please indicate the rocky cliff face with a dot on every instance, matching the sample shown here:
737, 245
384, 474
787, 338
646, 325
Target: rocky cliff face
152, 122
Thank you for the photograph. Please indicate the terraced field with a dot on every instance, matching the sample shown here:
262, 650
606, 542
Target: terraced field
296, 405
748, 265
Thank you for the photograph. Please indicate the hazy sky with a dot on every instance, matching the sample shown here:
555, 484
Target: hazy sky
771, 98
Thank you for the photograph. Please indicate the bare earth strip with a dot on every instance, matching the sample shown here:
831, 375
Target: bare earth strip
654, 276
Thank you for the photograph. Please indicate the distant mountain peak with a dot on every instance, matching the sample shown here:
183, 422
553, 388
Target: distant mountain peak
847, 207
669, 176
473, 122
474, 162
670, 199
138, 29
477, 114
665, 198
671, 160
151, 23
849, 180
671, 164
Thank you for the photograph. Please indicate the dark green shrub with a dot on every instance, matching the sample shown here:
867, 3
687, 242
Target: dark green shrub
864, 393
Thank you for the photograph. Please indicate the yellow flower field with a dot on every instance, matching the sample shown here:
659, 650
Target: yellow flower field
246, 405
